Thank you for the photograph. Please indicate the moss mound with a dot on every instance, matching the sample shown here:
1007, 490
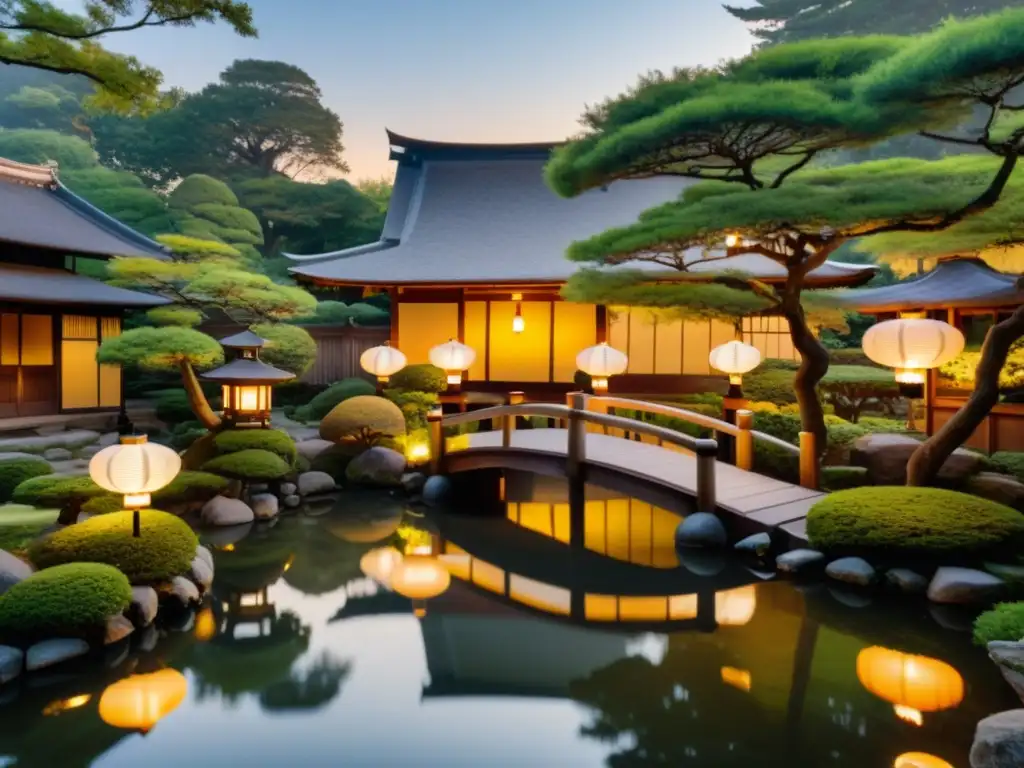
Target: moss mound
67, 599
273, 440
841, 478
58, 492
334, 395
103, 505
1009, 463
190, 486
164, 550
900, 520
421, 377
14, 472
252, 465
366, 419
1004, 622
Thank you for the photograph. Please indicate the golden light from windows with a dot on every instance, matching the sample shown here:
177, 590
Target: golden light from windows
737, 678
63, 705
379, 564
139, 702
920, 760
912, 684
735, 607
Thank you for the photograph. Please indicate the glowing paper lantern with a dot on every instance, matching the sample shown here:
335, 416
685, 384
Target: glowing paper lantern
420, 578
454, 357
518, 323
920, 760
134, 468
601, 362
735, 358
912, 684
379, 564
382, 362
139, 702
912, 346
735, 607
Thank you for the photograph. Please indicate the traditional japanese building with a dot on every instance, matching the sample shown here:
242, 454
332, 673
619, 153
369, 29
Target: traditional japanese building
474, 238
52, 318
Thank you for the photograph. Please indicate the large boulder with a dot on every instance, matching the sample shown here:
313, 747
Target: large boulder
965, 586
366, 417
701, 530
851, 570
1004, 489
184, 591
313, 483
885, 457
378, 466
999, 741
310, 449
12, 570
144, 606
50, 652
221, 510
800, 561
265, 506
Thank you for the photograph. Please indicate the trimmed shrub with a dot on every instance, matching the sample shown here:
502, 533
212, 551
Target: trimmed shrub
288, 346
273, 440
841, 478
184, 439
850, 388
901, 520
103, 505
365, 419
421, 377
851, 356
70, 599
56, 492
332, 397
295, 393
335, 460
14, 472
200, 452
252, 465
415, 405
1009, 463
173, 408
770, 384
1004, 622
164, 550
190, 486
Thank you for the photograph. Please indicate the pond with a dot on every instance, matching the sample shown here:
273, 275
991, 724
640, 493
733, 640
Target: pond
527, 636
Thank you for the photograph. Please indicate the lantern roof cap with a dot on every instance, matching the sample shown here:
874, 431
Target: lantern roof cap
248, 371
243, 340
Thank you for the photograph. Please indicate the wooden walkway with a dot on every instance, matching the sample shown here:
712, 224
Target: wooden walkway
750, 501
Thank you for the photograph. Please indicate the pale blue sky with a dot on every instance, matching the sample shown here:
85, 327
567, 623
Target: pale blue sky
468, 70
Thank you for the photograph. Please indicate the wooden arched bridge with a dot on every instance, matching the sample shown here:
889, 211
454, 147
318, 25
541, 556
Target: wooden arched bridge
675, 470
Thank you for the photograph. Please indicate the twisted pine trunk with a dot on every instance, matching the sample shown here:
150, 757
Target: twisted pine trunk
196, 398
814, 362
927, 460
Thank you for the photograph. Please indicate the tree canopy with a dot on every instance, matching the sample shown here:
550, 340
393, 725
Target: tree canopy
204, 207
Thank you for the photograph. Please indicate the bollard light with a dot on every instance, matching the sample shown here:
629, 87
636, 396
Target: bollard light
735, 359
600, 362
383, 362
134, 468
912, 346
453, 357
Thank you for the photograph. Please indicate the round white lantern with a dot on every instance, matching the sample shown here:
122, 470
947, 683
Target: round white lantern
134, 468
382, 362
601, 362
454, 357
735, 358
912, 346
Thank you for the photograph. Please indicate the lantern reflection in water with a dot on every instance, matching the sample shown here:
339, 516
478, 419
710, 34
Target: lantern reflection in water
735, 607
380, 563
63, 705
920, 760
912, 684
139, 702
206, 624
420, 578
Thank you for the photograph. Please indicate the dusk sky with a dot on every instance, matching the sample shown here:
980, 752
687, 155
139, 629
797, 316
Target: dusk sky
464, 70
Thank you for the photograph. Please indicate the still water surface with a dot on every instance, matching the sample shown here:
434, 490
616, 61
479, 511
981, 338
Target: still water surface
557, 642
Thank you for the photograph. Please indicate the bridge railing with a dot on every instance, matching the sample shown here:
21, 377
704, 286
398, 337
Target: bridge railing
577, 415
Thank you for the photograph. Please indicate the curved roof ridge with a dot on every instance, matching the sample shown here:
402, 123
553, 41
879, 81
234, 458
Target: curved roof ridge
104, 220
409, 142
27, 173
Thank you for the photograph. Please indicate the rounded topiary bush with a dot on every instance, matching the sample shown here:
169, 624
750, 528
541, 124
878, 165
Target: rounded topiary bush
334, 395
164, 550
366, 419
1004, 622
273, 440
252, 465
901, 520
190, 486
1009, 463
103, 505
14, 472
69, 599
421, 377
56, 492
841, 478
335, 460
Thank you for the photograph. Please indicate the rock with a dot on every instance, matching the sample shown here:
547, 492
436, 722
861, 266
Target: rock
221, 510
436, 490
1004, 489
412, 482
851, 570
72, 439
292, 501
907, 581
310, 449
703, 562
205, 555
50, 652
108, 439
313, 483
1009, 657
799, 561
264, 506
231, 534
701, 530
148, 638
201, 574
288, 489
965, 586
118, 628
756, 545
143, 606
11, 662
57, 454
1007, 572
999, 741
71, 468
12, 570
378, 466
885, 457
849, 597
89, 451
11, 455
184, 591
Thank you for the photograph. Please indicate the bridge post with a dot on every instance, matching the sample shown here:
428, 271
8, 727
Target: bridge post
508, 422
745, 440
577, 437
810, 464
707, 454
436, 428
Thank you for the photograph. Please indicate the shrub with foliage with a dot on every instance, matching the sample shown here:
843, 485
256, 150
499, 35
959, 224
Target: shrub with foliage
296, 393
1009, 463
71, 599
13, 472
849, 388
366, 420
55, 492
415, 405
421, 377
902, 520
252, 465
851, 356
172, 407
288, 347
841, 478
190, 486
770, 385
960, 372
333, 396
103, 505
1004, 622
164, 550
273, 440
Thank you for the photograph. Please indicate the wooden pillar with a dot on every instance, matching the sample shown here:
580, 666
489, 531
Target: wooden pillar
745, 440
810, 464
707, 453
577, 437
436, 428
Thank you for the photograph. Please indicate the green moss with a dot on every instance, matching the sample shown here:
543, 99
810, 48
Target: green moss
190, 486
841, 478
902, 520
273, 440
366, 419
56, 492
421, 377
103, 505
1004, 622
771, 385
252, 465
337, 393
70, 599
1009, 462
14, 472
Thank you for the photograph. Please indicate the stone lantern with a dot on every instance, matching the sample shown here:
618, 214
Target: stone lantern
246, 381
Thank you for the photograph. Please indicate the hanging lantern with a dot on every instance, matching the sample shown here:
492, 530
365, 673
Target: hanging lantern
454, 357
134, 468
601, 362
246, 381
735, 359
420, 578
380, 563
735, 607
518, 324
920, 760
139, 702
383, 362
912, 684
912, 346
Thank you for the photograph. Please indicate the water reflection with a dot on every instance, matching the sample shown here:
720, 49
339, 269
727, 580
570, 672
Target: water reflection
139, 702
912, 684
